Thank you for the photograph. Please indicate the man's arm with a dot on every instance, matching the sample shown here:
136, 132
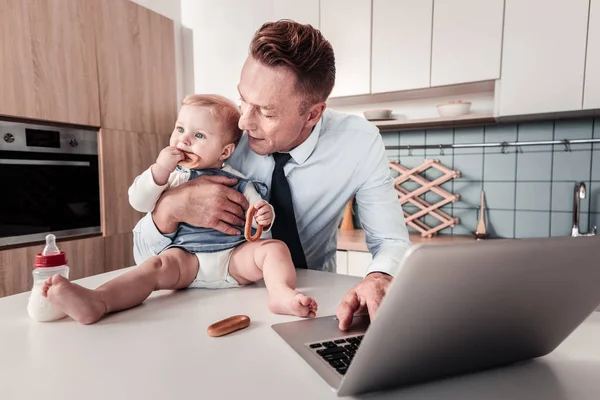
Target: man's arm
205, 202
381, 214
382, 219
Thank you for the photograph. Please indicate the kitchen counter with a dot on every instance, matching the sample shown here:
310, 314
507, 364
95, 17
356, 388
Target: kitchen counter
355, 240
160, 350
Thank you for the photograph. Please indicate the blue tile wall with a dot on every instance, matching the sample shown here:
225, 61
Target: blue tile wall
529, 190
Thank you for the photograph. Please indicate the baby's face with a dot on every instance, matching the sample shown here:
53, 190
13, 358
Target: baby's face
199, 135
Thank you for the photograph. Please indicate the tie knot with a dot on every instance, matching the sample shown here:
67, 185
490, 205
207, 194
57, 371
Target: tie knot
281, 159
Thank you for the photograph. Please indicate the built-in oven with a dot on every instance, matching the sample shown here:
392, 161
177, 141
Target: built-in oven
49, 182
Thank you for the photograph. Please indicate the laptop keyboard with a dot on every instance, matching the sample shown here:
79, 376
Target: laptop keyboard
338, 353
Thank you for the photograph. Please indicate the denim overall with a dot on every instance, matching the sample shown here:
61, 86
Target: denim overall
207, 240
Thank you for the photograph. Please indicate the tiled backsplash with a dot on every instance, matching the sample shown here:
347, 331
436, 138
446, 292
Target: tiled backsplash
529, 192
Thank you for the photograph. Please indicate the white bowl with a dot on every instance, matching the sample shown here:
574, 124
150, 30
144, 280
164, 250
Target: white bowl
454, 109
373, 115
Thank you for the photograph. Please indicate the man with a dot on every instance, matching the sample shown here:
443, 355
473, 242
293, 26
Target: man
313, 160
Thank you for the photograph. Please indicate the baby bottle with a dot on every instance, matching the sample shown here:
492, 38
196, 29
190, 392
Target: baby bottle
51, 262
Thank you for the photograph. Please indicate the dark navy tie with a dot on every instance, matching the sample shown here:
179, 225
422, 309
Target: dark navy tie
285, 228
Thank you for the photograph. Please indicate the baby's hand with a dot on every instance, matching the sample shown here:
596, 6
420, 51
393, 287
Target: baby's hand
169, 157
264, 213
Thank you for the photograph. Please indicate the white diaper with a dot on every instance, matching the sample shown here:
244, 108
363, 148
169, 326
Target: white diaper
213, 271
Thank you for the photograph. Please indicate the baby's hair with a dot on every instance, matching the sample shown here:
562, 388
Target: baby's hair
221, 108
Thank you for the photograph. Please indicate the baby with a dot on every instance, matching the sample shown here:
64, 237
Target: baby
205, 135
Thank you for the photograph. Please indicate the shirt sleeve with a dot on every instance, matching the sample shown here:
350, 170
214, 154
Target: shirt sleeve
380, 212
144, 192
254, 197
148, 241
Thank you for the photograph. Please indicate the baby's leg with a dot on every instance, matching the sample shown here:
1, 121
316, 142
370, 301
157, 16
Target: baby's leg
271, 260
173, 269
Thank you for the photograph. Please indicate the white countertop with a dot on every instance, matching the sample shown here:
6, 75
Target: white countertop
160, 350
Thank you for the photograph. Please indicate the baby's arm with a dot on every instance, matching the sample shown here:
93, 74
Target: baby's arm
265, 214
149, 186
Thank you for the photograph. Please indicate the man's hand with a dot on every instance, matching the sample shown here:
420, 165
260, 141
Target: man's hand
367, 294
206, 202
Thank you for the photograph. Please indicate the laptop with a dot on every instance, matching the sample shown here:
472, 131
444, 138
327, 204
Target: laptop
456, 309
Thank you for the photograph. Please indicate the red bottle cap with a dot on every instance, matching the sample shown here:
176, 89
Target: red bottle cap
52, 260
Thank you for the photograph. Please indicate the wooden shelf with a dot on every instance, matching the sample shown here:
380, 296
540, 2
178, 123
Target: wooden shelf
425, 123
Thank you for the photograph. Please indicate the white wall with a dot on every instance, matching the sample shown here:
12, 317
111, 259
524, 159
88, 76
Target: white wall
172, 10
222, 30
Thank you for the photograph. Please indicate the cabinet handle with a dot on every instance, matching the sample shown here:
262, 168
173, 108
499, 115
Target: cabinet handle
9, 161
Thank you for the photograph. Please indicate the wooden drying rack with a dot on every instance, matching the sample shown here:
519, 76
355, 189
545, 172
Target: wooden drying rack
412, 197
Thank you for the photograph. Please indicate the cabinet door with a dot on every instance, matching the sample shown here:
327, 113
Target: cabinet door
64, 61
467, 41
347, 26
16, 69
123, 156
48, 69
543, 56
136, 68
341, 261
401, 45
591, 97
15, 269
119, 251
358, 262
304, 12
85, 257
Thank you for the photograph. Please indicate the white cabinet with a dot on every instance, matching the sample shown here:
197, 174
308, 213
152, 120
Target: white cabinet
467, 41
347, 26
401, 57
304, 12
591, 97
543, 56
358, 262
341, 261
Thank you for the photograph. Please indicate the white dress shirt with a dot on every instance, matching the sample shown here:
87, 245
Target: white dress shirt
344, 156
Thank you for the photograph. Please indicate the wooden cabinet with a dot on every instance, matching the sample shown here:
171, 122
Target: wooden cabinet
401, 57
118, 251
543, 56
304, 12
85, 257
467, 41
358, 262
15, 269
136, 68
591, 97
347, 26
123, 156
48, 69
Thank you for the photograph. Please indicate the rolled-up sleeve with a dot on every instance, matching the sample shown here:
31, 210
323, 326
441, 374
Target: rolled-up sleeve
380, 212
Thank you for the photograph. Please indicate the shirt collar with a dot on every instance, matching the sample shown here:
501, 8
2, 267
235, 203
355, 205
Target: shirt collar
301, 153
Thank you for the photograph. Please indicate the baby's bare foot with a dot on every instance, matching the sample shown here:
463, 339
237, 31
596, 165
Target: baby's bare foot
45, 286
291, 302
83, 305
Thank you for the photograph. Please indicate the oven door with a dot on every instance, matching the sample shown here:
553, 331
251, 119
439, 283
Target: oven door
47, 193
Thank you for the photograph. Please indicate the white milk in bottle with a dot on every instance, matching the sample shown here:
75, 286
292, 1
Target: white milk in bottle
51, 262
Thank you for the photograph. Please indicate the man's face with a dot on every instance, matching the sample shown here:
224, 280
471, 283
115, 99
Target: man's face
271, 108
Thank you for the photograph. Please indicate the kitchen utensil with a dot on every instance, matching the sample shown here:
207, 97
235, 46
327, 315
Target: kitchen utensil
454, 109
375, 115
481, 230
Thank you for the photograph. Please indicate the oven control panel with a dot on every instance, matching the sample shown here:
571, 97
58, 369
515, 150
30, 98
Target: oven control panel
47, 139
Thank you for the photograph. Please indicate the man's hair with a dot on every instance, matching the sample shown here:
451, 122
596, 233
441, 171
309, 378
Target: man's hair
227, 113
303, 50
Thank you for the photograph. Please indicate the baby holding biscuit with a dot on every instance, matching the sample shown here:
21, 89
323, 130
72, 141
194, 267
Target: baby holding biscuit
205, 136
